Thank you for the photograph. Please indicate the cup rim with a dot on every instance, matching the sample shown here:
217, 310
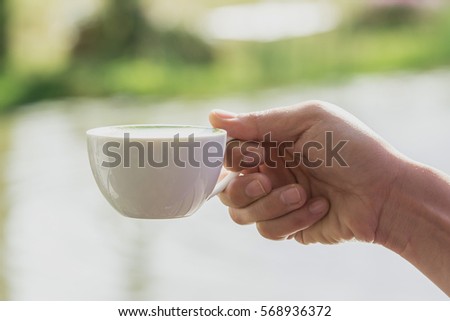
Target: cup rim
105, 131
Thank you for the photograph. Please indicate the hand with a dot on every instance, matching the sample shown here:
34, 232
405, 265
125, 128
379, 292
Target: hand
368, 191
329, 203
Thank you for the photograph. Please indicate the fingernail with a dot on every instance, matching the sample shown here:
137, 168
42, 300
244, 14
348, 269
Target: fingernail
254, 189
291, 196
224, 114
317, 207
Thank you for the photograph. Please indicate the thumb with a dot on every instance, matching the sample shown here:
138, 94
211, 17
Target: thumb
282, 123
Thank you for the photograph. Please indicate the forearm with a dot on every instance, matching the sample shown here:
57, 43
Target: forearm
416, 222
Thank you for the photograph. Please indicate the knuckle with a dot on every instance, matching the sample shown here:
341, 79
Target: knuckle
316, 107
317, 104
254, 118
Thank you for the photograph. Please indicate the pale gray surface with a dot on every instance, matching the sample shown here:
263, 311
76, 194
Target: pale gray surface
65, 242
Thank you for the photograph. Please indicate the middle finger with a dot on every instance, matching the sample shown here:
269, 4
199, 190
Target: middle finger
275, 204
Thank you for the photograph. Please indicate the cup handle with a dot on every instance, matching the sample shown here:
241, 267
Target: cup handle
223, 184
225, 181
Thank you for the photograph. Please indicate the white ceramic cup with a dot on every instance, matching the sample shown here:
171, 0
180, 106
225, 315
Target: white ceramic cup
157, 171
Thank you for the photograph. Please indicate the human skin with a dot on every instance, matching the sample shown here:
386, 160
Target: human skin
380, 197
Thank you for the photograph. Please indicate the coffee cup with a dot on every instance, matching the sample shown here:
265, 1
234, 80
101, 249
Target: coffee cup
157, 171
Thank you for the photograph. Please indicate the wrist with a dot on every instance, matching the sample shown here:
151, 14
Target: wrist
415, 221
418, 199
398, 218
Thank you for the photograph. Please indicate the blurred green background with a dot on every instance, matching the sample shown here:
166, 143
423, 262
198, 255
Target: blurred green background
56, 48
69, 65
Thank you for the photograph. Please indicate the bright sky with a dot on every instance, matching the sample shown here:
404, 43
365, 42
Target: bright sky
270, 20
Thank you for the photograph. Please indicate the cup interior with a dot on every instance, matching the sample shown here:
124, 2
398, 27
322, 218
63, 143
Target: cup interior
157, 131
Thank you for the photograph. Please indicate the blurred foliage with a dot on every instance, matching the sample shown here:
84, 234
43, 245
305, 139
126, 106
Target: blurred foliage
389, 16
2, 31
118, 30
119, 52
121, 30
